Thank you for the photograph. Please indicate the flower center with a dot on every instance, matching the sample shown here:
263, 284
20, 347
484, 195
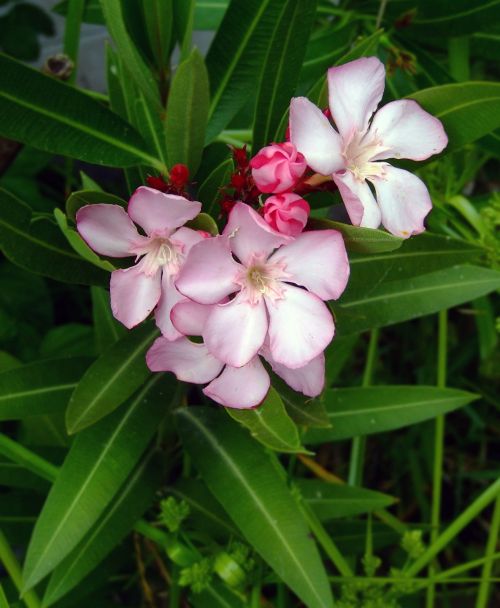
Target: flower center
262, 279
160, 252
358, 153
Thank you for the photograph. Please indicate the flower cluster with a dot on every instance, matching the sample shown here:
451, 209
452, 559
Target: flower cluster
257, 292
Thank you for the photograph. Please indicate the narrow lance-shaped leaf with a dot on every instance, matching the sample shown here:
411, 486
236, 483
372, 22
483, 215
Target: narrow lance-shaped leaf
107, 329
39, 388
280, 72
111, 379
99, 461
39, 246
363, 411
253, 492
396, 301
187, 113
48, 114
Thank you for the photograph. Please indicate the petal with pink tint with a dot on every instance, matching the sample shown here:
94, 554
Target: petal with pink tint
234, 332
309, 380
107, 229
354, 92
404, 201
318, 261
240, 387
187, 238
157, 212
408, 131
313, 136
358, 200
169, 298
190, 362
189, 317
134, 294
250, 235
300, 327
209, 272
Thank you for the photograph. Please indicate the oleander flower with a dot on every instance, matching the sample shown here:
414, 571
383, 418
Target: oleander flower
355, 154
237, 387
277, 168
276, 285
286, 213
137, 291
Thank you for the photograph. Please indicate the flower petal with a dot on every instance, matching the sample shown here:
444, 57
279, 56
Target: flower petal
358, 200
313, 136
190, 362
408, 131
209, 272
107, 229
157, 212
404, 201
300, 327
235, 331
187, 237
317, 260
250, 235
309, 380
189, 317
354, 91
170, 296
240, 387
133, 294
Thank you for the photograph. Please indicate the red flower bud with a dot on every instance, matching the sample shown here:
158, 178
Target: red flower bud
240, 157
227, 204
157, 182
179, 175
238, 181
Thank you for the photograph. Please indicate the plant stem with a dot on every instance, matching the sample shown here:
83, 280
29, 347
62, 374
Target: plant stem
10, 563
19, 454
437, 476
484, 585
458, 58
481, 502
380, 14
358, 445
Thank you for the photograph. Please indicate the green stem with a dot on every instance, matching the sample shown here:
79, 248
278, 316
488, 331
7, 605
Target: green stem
358, 445
484, 586
10, 563
437, 476
325, 541
465, 567
458, 58
72, 28
24, 457
423, 581
380, 14
174, 590
481, 502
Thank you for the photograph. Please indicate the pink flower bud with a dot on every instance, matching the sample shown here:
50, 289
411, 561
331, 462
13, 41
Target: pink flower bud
277, 168
287, 213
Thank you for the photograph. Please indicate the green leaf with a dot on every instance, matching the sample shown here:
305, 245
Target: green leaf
98, 463
332, 501
459, 18
187, 112
132, 499
37, 245
208, 14
360, 240
420, 255
209, 193
362, 411
78, 244
280, 73
217, 595
468, 110
204, 222
303, 411
235, 58
254, 493
80, 198
270, 424
48, 114
39, 388
111, 379
113, 11
107, 329
158, 15
396, 301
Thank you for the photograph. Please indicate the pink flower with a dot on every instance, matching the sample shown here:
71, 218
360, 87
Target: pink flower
238, 387
268, 301
287, 213
136, 291
277, 168
354, 155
